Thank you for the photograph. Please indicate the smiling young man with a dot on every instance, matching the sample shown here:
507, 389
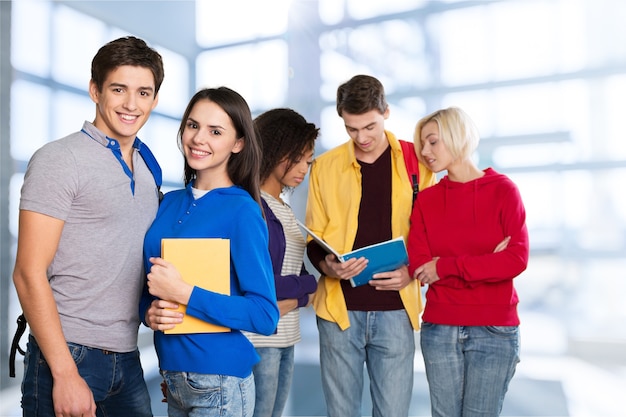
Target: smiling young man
360, 194
87, 201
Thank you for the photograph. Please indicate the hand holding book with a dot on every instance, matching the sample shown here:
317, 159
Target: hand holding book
381, 257
344, 270
392, 280
204, 263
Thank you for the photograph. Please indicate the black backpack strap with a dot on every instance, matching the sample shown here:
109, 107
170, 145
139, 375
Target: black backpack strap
15, 344
412, 165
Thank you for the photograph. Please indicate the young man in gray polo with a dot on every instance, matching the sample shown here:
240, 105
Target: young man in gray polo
87, 201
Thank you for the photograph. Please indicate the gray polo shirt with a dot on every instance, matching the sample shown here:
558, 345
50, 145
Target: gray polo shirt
97, 272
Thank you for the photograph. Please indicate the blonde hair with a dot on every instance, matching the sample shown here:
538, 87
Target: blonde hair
456, 129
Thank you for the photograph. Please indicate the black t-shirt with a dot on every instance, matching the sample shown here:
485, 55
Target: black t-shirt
374, 227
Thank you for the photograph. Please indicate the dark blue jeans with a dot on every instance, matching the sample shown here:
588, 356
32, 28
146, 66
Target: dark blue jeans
116, 380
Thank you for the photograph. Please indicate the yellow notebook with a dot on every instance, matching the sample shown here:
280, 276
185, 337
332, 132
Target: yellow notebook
204, 263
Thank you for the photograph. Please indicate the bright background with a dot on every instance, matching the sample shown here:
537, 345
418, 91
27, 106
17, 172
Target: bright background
545, 81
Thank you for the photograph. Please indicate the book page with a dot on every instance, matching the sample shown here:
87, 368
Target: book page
321, 241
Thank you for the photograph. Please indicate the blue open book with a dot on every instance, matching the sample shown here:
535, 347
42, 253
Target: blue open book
383, 257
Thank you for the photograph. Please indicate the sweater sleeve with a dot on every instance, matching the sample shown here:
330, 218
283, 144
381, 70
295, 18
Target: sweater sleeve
499, 266
417, 242
294, 286
252, 303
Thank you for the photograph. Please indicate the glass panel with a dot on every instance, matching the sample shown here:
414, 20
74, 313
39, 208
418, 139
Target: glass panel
617, 200
516, 50
609, 139
371, 49
174, 93
526, 155
464, 56
30, 53
530, 109
332, 130
69, 112
331, 11
335, 69
497, 45
359, 9
30, 119
258, 72
76, 39
239, 20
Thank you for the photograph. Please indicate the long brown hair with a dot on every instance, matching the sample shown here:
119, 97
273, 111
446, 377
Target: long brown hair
243, 167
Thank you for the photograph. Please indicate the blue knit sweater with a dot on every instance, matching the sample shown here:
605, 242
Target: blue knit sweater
222, 213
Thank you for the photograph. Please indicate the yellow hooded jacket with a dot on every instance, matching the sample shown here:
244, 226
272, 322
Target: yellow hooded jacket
332, 213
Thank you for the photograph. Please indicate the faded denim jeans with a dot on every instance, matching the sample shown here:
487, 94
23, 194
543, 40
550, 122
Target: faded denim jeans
469, 368
191, 394
272, 378
384, 342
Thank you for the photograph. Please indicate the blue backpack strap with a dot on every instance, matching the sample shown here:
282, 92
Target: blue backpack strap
151, 163
412, 165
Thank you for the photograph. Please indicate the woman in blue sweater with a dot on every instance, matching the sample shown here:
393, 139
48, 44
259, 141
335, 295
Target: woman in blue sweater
211, 373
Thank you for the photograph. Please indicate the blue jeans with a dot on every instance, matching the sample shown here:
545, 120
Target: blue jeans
469, 368
272, 378
203, 395
116, 380
384, 342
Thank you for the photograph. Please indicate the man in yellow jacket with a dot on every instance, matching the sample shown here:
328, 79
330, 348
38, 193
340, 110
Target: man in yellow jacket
360, 194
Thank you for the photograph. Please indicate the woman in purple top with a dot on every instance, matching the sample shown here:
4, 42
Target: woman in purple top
288, 142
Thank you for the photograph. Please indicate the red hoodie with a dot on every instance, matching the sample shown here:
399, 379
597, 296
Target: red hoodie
462, 223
